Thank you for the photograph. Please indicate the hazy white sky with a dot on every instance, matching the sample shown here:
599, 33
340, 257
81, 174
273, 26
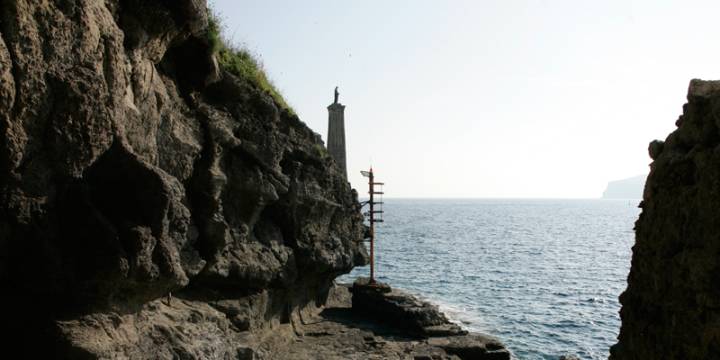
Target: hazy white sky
486, 98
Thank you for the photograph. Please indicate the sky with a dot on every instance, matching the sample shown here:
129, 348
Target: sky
485, 99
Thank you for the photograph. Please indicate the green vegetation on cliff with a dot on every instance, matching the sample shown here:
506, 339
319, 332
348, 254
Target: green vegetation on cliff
239, 61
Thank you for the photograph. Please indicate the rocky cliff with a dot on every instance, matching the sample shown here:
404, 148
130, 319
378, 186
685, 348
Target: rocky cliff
671, 308
132, 166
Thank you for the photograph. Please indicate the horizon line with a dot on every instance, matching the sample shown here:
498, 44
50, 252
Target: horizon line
495, 198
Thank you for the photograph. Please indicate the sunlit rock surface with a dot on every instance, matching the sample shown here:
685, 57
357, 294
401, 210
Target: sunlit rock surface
132, 167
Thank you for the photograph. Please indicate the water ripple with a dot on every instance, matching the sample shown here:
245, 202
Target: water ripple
543, 275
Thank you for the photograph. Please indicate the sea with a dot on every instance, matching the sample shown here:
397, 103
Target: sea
543, 276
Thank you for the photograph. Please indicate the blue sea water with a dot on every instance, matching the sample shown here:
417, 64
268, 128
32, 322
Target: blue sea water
544, 276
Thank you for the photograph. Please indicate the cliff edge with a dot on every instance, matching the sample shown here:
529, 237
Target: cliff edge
152, 202
671, 308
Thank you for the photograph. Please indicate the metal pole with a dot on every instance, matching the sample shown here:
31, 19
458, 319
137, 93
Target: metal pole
372, 227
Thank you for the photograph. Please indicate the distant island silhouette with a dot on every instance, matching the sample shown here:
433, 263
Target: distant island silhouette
630, 188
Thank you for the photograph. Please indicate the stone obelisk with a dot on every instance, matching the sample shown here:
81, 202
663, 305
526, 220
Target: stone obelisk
336, 132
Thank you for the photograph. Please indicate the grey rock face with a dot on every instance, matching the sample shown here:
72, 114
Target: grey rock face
132, 166
671, 308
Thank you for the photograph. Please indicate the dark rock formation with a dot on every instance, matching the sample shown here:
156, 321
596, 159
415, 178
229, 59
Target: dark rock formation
671, 308
400, 309
420, 318
131, 166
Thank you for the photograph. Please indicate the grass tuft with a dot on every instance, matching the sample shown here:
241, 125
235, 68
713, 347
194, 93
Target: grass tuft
321, 151
240, 61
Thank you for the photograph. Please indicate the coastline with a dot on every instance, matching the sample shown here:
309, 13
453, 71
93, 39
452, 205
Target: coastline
161, 200
521, 271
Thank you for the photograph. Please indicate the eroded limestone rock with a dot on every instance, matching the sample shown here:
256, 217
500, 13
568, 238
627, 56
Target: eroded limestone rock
132, 166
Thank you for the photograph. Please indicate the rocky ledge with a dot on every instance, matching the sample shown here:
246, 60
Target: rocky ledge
346, 329
422, 320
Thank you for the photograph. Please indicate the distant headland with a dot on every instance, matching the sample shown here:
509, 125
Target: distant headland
630, 188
